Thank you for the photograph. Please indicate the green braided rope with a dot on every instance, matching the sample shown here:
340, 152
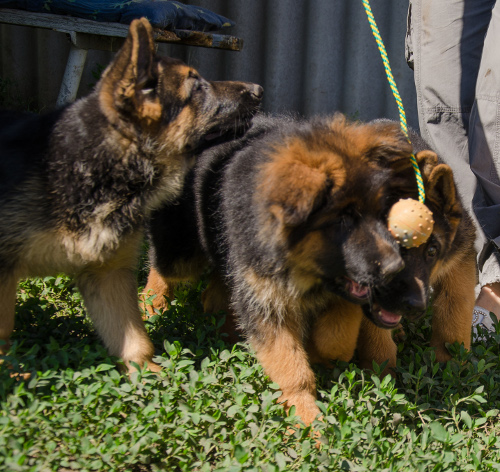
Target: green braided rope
392, 83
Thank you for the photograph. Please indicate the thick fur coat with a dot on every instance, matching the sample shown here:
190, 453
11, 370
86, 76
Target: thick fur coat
78, 184
292, 220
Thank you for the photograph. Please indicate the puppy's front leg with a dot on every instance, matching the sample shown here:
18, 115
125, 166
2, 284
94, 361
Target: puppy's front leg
376, 344
335, 333
454, 298
281, 352
110, 296
159, 286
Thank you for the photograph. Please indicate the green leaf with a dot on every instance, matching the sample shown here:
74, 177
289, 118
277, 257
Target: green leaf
466, 419
233, 410
240, 454
438, 432
280, 461
491, 413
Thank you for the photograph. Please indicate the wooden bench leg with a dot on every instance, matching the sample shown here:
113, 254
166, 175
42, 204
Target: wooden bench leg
72, 75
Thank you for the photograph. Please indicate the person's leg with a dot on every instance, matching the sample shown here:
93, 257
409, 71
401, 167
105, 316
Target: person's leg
484, 150
447, 38
445, 42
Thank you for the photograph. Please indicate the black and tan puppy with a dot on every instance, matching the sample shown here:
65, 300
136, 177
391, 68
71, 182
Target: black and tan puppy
293, 220
445, 266
76, 185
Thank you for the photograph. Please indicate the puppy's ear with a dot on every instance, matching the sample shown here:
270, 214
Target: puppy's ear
440, 189
427, 162
292, 200
295, 183
387, 145
128, 85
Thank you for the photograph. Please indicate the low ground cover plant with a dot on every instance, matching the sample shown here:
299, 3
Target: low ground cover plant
212, 408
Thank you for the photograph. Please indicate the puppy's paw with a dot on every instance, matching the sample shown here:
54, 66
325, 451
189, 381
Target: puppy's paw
305, 406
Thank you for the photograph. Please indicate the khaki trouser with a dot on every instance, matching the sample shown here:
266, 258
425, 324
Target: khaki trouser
454, 48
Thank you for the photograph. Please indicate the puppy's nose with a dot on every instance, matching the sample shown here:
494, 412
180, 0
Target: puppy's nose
257, 91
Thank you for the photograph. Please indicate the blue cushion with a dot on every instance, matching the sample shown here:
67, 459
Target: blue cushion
161, 13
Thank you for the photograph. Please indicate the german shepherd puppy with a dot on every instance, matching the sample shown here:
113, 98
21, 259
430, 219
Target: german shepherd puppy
77, 185
293, 220
445, 266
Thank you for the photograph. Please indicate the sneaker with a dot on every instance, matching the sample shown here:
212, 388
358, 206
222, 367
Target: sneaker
481, 317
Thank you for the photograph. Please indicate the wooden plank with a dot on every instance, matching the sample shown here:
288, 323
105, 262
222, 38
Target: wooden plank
70, 24
210, 40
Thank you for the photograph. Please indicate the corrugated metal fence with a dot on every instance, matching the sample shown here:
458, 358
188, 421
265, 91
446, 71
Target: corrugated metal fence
311, 56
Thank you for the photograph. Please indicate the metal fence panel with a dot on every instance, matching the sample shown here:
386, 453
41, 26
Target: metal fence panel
311, 56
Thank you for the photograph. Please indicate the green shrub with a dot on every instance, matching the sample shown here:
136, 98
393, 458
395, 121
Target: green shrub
212, 408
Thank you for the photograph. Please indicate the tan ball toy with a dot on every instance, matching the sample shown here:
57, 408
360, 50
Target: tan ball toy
410, 222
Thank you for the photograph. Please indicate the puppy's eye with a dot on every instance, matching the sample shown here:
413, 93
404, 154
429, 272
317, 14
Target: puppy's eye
196, 81
346, 220
432, 251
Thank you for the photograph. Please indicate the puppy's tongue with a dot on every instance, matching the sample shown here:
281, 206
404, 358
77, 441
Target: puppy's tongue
358, 290
389, 317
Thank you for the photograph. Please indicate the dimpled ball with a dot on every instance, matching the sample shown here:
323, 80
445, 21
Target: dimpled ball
410, 222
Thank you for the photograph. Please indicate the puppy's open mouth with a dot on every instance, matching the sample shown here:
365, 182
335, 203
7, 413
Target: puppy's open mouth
372, 300
381, 317
357, 291
363, 294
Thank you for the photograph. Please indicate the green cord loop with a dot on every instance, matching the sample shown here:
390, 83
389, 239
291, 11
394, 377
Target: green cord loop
399, 102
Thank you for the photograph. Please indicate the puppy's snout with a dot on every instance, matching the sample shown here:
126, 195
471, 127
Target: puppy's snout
391, 265
415, 304
415, 298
